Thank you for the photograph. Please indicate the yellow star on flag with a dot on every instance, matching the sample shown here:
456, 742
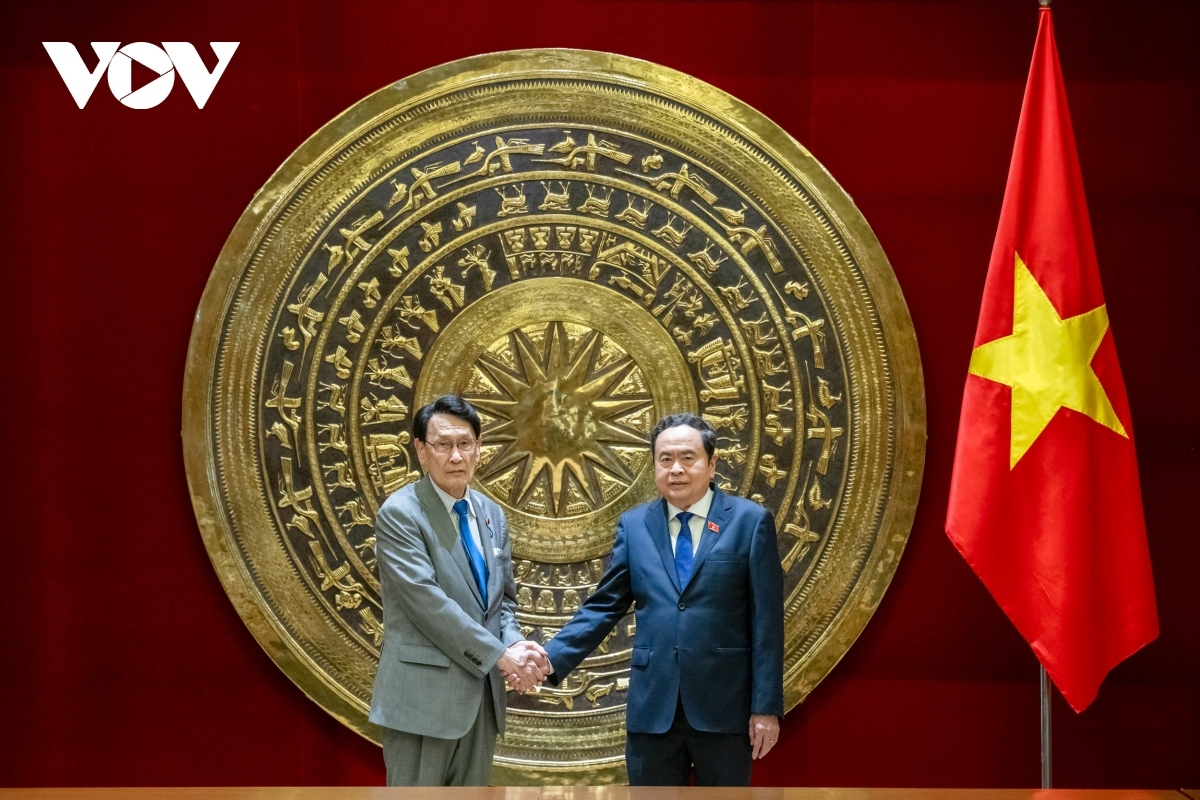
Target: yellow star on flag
1047, 362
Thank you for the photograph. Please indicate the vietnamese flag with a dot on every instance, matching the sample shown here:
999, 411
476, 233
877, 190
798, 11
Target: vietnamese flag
1045, 503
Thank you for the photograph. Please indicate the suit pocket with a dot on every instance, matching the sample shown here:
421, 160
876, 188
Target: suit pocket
420, 654
726, 564
641, 657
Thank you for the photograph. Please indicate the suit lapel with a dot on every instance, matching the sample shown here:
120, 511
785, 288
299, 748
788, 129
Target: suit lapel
446, 529
719, 514
487, 541
656, 523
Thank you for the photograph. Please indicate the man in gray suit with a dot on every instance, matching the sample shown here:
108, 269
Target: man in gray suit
451, 639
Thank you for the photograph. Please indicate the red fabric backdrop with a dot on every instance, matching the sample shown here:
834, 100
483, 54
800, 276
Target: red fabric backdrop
121, 660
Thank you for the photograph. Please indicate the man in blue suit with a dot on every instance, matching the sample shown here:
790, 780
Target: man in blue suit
702, 569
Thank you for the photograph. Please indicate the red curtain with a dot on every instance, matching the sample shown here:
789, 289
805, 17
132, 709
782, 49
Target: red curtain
121, 660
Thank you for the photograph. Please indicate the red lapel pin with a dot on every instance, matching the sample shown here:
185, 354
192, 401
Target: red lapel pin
714, 527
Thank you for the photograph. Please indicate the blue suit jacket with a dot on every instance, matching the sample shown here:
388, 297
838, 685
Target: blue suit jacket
716, 642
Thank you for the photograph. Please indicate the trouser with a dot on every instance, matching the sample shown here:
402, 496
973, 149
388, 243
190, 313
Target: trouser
414, 760
667, 759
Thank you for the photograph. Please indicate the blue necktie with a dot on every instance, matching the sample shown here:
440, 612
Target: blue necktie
683, 548
474, 557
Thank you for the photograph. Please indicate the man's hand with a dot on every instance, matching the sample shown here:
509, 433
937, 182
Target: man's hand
524, 666
764, 732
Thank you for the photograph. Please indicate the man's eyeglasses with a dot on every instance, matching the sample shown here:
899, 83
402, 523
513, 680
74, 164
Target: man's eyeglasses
445, 447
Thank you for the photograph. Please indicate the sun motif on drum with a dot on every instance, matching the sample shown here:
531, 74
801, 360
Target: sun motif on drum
561, 424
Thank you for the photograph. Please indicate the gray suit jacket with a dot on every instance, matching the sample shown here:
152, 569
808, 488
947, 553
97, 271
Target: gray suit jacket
439, 641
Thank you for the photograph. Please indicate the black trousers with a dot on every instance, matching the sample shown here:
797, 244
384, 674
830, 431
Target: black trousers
667, 759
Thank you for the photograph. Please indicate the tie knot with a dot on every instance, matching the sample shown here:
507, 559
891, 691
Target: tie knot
684, 518
460, 508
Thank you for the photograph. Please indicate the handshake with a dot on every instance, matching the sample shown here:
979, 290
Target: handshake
524, 666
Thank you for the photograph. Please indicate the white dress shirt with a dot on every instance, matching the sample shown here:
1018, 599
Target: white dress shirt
699, 511
472, 522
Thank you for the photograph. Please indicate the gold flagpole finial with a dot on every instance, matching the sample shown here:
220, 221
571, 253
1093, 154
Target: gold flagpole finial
1044, 3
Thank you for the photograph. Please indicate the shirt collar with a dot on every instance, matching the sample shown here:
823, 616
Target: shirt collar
699, 508
449, 501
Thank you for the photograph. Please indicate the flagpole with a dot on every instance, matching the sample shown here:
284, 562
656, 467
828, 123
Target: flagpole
1047, 763
1044, 680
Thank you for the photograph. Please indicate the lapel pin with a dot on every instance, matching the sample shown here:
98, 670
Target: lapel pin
714, 527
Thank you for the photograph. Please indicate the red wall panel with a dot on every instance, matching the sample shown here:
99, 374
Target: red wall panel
122, 662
